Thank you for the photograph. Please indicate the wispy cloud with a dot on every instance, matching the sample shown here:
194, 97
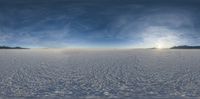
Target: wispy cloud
122, 23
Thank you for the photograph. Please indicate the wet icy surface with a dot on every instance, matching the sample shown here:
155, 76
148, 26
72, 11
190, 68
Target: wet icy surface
145, 74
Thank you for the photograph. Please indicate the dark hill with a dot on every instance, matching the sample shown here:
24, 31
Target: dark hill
7, 47
185, 47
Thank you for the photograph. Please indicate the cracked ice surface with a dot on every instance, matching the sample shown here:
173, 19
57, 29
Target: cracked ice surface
169, 74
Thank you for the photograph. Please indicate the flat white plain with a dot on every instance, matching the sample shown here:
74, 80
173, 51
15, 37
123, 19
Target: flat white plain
141, 73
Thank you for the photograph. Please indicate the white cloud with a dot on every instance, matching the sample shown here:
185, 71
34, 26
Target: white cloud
153, 36
4, 38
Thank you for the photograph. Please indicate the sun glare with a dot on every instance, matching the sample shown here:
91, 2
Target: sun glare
159, 45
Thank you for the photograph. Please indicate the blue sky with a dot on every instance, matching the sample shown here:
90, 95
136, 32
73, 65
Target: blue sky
99, 23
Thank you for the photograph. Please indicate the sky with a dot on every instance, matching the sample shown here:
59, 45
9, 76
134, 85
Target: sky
99, 23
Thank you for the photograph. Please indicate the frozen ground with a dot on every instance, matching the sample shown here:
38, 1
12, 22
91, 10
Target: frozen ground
65, 74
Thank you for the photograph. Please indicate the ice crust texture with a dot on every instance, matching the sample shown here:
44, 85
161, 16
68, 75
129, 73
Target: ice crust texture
173, 74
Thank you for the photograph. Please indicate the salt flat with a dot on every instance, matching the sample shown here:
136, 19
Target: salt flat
78, 73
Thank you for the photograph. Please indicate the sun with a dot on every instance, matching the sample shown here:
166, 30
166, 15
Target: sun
160, 45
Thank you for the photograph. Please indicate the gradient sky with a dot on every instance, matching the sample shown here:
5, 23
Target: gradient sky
99, 23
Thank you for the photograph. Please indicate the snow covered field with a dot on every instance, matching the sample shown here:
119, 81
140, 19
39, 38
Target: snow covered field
147, 73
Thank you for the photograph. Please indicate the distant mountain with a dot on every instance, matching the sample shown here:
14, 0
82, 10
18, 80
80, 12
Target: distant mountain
185, 47
7, 47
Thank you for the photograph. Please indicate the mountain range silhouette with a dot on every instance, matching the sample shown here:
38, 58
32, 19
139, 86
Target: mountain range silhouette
8, 47
185, 47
